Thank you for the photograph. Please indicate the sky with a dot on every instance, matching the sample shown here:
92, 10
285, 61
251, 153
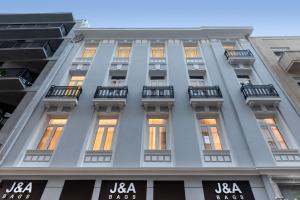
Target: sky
267, 17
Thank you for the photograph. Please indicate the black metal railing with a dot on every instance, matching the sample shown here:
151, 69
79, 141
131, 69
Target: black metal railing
204, 92
24, 45
22, 73
259, 91
111, 92
64, 91
34, 26
238, 53
3, 120
158, 92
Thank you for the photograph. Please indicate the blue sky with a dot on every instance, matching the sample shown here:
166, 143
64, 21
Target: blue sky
268, 17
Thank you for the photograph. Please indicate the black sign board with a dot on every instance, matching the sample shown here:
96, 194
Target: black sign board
77, 190
227, 190
169, 190
22, 189
123, 190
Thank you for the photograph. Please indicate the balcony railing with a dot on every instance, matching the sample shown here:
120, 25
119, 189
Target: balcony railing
238, 53
158, 92
3, 119
111, 92
259, 91
21, 73
196, 60
26, 45
204, 92
64, 91
34, 26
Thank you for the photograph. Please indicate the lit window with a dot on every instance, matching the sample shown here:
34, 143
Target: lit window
123, 52
105, 134
76, 81
89, 52
272, 134
157, 133
52, 134
210, 134
157, 52
191, 52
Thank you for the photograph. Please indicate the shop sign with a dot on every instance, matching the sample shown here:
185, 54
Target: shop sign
123, 190
22, 189
227, 190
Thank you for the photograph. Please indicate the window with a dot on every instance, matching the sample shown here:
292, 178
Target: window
89, 52
118, 80
278, 51
191, 52
244, 79
272, 134
157, 52
52, 134
157, 80
123, 52
210, 134
105, 133
197, 80
157, 133
227, 46
76, 81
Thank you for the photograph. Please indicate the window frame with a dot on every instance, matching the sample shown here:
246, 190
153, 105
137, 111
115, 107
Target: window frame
103, 138
271, 133
84, 51
208, 126
123, 46
196, 47
157, 137
52, 133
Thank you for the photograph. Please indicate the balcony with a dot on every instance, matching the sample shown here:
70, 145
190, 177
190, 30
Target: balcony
62, 96
194, 61
158, 95
15, 78
110, 96
196, 70
120, 61
157, 61
205, 96
290, 61
118, 70
239, 56
20, 50
12, 31
260, 95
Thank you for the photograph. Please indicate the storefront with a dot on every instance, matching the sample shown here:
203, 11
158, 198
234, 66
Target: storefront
135, 188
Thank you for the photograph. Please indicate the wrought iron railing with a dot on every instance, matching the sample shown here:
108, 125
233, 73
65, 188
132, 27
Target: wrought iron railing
22, 73
259, 91
238, 53
204, 92
64, 91
111, 92
158, 92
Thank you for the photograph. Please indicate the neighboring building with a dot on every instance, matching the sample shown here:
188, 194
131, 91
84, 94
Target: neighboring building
30, 46
282, 56
158, 114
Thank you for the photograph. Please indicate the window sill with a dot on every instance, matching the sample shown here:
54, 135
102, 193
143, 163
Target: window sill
288, 155
216, 156
98, 156
157, 155
38, 155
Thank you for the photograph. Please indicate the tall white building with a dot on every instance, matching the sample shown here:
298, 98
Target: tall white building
153, 114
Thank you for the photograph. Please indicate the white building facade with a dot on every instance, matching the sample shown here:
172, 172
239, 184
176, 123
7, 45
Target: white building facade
152, 114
